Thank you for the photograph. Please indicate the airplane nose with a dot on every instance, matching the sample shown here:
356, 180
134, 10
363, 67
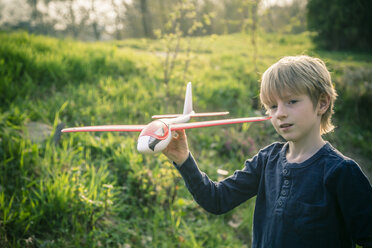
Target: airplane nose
143, 145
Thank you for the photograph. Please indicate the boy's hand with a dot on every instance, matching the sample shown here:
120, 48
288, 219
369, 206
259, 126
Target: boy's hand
177, 150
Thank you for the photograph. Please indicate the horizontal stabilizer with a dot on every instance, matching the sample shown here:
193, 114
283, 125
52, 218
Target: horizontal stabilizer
180, 126
106, 128
192, 115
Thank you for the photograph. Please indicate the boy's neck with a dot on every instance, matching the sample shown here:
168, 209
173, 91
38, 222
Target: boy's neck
299, 152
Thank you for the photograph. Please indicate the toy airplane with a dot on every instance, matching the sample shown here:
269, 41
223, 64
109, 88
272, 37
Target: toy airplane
156, 136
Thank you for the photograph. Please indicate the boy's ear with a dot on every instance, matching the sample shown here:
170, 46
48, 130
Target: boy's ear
323, 104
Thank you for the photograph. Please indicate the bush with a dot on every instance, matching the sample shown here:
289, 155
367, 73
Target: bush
341, 24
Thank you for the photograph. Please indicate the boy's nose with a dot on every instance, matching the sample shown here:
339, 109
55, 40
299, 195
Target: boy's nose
280, 112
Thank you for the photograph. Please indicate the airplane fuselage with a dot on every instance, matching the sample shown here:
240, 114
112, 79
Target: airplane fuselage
154, 137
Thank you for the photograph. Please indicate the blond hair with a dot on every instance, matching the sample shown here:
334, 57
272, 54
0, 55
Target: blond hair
299, 75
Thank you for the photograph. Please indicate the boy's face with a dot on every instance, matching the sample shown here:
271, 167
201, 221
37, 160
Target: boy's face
295, 118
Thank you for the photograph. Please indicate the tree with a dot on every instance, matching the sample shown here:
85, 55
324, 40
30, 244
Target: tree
95, 25
341, 24
133, 19
176, 36
72, 19
287, 18
146, 19
249, 8
118, 19
35, 13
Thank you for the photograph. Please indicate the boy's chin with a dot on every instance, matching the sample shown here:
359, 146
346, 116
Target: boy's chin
288, 138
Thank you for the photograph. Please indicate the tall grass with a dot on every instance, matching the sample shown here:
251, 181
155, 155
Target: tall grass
94, 189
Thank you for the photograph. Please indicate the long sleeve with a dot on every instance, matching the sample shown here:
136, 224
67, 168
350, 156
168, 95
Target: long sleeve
220, 197
325, 201
354, 197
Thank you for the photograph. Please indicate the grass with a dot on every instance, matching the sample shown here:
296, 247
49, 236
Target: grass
94, 189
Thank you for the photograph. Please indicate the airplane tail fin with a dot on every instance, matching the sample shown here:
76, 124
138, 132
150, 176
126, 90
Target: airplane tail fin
187, 107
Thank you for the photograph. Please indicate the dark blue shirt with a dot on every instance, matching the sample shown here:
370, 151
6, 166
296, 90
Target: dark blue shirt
325, 201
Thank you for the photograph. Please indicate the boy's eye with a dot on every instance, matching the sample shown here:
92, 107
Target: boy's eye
292, 101
273, 107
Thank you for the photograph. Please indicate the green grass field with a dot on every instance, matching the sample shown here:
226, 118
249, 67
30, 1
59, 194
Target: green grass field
94, 189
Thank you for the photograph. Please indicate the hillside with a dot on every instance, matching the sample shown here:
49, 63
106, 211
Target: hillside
94, 189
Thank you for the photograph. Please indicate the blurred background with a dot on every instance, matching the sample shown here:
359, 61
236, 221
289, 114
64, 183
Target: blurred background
119, 19
340, 24
67, 63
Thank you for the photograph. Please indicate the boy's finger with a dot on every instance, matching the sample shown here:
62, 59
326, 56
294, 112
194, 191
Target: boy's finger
175, 135
181, 134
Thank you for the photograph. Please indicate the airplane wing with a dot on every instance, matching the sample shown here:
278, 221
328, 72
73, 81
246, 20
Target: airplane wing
180, 126
105, 128
192, 115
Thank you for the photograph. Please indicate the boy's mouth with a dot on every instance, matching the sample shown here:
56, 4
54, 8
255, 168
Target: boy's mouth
285, 125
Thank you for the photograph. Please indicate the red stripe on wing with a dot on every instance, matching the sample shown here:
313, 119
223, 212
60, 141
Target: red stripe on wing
106, 128
217, 122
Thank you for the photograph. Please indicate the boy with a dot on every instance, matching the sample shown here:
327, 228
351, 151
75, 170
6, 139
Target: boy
308, 193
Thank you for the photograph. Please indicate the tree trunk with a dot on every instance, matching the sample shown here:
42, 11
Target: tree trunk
73, 27
254, 33
95, 26
146, 19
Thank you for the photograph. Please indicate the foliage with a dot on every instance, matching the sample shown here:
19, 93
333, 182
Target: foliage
120, 19
175, 37
31, 65
288, 18
341, 24
94, 189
